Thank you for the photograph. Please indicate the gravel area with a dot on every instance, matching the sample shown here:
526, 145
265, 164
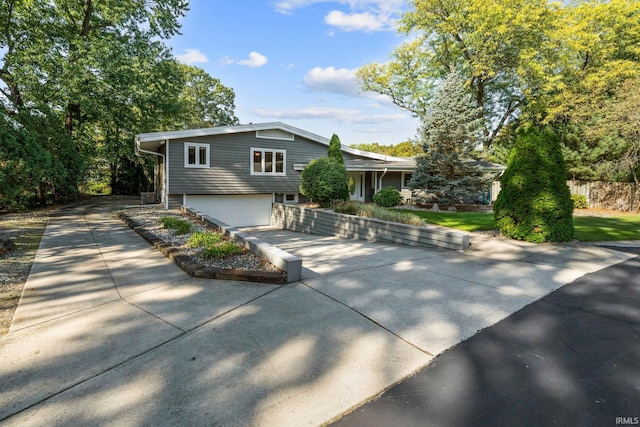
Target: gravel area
25, 231
148, 217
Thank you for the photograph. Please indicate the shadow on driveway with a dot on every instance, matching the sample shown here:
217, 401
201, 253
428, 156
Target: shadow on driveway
571, 358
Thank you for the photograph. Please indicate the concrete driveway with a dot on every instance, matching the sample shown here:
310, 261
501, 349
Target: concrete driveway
109, 332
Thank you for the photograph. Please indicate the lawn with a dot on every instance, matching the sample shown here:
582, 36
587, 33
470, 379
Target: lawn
587, 228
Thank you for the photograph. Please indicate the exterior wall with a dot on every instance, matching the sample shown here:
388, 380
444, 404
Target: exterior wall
230, 165
392, 179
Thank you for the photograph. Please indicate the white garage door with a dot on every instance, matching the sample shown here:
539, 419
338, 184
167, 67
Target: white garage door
237, 211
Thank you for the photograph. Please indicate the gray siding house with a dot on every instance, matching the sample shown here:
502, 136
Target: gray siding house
235, 173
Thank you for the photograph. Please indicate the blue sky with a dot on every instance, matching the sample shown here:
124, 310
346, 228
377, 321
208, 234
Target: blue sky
294, 61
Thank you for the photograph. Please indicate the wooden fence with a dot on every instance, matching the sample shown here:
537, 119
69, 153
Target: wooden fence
621, 196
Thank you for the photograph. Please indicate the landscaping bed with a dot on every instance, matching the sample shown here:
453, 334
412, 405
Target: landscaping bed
199, 251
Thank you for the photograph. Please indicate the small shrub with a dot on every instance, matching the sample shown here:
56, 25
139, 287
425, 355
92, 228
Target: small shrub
221, 250
198, 239
324, 180
579, 201
180, 226
349, 207
387, 197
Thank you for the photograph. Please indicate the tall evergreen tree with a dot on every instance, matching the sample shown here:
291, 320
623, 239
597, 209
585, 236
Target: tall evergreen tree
449, 135
335, 149
534, 203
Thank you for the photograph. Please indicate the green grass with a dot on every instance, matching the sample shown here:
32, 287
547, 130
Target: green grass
179, 225
467, 221
204, 239
598, 229
587, 228
221, 250
213, 245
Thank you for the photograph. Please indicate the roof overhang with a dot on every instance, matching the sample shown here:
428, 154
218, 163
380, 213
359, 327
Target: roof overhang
153, 140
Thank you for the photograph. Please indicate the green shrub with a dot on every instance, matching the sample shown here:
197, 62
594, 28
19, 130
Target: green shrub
349, 207
198, 239
387, 197
221, 250
324, 181
579, 201
534, 203
179, 225
384, 214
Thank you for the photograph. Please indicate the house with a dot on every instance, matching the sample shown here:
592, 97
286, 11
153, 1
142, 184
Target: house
235, 173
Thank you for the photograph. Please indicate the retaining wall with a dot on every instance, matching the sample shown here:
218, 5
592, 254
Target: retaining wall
330, 223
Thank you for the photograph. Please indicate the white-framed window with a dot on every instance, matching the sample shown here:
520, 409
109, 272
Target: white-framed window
196, 155
406, 177
291, 198
266, 161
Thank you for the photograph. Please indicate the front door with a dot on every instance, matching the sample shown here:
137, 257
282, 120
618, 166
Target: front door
355, 181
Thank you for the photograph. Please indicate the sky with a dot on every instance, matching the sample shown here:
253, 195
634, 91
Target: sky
294, 61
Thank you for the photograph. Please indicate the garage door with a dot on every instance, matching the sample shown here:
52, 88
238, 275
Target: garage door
237, 211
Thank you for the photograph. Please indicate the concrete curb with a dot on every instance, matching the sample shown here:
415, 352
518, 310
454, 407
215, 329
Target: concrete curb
291, 264
194, 268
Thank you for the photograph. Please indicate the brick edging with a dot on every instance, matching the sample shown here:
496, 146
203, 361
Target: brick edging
196, 269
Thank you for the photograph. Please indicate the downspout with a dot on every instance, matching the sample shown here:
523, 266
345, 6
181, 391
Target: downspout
382, 176
140, 151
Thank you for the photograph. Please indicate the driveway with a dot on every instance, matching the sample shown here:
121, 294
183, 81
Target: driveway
108, 331
570, 358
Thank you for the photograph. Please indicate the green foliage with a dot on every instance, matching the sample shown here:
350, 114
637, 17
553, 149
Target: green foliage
579, 201
213, 245
179, 225
384, 214
387, 197
221, 250
80, 79
349, 207
199, 238
502, 50
372, 211
324, 180
534, 203
335, 150
404, 149
449, 134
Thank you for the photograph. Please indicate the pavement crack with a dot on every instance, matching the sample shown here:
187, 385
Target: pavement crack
369, 319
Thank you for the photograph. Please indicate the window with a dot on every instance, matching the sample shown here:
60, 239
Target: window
406, 177
268, 162
196, 155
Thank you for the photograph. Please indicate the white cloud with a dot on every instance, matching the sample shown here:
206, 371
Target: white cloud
362, 15
254, 60
356, 21
333, 80
341, 115
192, 56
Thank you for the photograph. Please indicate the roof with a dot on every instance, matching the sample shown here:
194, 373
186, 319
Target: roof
152, 141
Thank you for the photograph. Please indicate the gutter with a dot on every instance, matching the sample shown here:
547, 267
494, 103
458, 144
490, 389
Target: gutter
139, 151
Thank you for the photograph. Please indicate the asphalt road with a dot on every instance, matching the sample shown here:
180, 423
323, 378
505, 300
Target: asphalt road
569, 359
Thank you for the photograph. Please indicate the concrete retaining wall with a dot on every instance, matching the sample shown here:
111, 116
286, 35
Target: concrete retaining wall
291, 264
330, 223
